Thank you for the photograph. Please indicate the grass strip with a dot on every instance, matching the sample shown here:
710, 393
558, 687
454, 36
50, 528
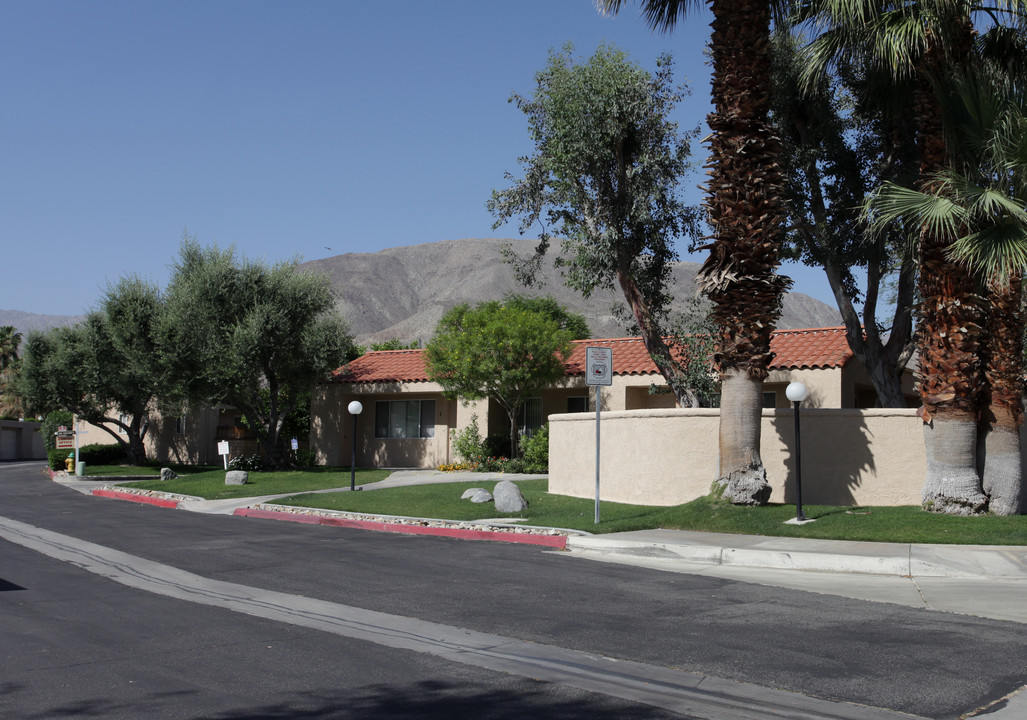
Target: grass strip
210, 484
904, 524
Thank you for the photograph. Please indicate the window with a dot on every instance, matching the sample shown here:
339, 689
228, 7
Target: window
180, 425
530, 417
396, 419
770, 399
577, 404
124, 419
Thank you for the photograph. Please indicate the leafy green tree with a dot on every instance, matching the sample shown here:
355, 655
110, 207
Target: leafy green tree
573, 323
107, 369
745, 208
241, 333
497, 351
605, 175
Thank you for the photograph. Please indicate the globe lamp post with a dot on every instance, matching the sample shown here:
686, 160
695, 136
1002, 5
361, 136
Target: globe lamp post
797, 392
355, 409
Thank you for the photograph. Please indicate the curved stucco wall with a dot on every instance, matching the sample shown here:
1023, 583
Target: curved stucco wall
668, 457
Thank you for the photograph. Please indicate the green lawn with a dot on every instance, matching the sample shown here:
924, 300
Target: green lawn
881, 524
210, 483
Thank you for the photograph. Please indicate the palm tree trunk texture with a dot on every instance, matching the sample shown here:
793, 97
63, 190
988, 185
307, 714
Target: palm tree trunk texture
999, 459
744, 204
742, 479
951, 320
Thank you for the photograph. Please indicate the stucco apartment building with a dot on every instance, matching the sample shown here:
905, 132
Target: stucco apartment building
406, 420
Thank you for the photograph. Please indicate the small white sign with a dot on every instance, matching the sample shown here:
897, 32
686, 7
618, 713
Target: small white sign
295, 444
222, 447
598, 366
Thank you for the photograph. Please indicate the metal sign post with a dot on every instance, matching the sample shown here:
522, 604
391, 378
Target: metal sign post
598, 372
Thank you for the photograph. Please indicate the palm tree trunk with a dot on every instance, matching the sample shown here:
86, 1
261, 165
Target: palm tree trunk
742, 479
950, 333
999, 458
744, 204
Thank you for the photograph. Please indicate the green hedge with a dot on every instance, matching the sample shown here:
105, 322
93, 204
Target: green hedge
95, 454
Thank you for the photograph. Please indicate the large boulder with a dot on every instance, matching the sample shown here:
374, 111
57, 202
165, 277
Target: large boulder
509, 498
167, 474
236, 477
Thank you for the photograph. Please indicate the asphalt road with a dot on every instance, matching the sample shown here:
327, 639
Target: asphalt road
76, 643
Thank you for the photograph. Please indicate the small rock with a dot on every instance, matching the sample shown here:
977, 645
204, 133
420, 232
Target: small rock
508, 497
482, 496
167, 474
471, 492
236, 477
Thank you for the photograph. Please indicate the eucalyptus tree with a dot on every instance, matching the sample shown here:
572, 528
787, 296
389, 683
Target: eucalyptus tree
924, 42
845, 135
604, 175
979, 202
745, 209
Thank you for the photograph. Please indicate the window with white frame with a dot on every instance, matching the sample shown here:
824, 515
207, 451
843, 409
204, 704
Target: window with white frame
180, 425
398, 419
125, 420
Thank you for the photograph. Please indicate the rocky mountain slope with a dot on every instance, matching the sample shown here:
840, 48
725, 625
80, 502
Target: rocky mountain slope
25, 321
403, 292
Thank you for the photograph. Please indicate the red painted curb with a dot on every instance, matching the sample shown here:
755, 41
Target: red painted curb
132, 497
554, 541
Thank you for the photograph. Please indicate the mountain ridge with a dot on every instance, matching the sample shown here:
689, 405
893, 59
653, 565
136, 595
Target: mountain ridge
402, 292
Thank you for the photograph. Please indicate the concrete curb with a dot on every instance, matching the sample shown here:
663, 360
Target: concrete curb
895, 559
558, 542
133, 497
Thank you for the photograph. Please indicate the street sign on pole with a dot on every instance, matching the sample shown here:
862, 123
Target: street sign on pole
598, 373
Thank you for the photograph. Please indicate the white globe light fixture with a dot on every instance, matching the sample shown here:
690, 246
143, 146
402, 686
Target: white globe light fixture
355, 408
796, 392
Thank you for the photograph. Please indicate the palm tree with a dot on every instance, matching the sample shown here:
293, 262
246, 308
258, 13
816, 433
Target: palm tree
924, 41
10, 339
744, 208
979, 203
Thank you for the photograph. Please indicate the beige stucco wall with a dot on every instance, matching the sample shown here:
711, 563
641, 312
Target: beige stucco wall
668, 457
331, 426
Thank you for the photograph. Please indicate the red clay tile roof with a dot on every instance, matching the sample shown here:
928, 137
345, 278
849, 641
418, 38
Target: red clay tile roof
810, 348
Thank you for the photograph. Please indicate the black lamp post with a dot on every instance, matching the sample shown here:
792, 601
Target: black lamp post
796, 392
354, 409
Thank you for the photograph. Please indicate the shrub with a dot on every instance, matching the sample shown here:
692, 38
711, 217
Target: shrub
97, 454
468, 444
249, 463
535, 451
56, 458
498, 446
49, 426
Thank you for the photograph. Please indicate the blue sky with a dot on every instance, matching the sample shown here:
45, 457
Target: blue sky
288, 129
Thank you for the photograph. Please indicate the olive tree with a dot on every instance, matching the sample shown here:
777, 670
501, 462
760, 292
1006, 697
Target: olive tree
256, 337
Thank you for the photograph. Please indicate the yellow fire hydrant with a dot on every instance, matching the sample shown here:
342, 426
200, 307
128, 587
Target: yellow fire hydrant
69, 463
